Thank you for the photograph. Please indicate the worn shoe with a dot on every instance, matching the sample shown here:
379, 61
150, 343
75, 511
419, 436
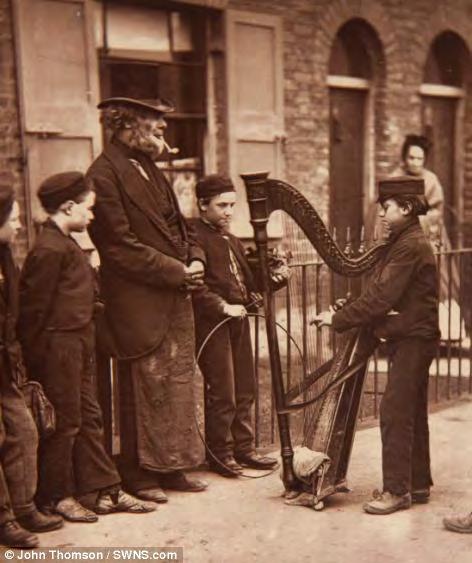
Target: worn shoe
226, 467
71, 509
420, 496
461, 523
13, 535
178, 481
154, 494
256, 461
386, 503
108, 503
38, 522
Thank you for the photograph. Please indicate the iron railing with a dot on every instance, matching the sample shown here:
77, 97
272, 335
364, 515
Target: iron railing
313, 286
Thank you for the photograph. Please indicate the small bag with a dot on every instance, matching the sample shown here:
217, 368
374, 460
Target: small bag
41, 408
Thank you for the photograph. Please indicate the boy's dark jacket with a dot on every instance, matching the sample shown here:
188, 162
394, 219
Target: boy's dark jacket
220, 284
405, 281
57, 291
142, 267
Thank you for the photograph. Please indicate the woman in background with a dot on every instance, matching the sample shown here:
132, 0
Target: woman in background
415, 152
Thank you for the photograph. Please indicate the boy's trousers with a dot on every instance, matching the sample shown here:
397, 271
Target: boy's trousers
73, 461
404, 416
18, 453
228, 369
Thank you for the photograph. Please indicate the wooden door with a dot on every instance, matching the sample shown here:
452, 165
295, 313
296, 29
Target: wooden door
59, 89
439, 125
255, 104
347, 140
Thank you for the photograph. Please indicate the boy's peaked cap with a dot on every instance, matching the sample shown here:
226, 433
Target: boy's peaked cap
60, 188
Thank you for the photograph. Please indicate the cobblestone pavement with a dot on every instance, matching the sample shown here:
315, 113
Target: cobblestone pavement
246, 520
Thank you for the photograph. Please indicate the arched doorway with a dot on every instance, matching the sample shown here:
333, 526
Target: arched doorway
443, 91
355, 69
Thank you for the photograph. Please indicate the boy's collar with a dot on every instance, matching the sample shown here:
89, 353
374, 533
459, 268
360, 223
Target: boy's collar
210, 225
406, 226
50, 222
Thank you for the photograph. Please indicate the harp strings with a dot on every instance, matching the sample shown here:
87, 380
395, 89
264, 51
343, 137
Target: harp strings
308, 293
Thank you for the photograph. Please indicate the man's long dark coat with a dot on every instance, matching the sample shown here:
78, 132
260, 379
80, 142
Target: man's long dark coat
142, 266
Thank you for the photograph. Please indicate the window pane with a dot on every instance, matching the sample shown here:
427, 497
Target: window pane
181, 32
187, 136
98, 23
185, 86
446, 61
134, 28
349, 56
133, 80
188, 36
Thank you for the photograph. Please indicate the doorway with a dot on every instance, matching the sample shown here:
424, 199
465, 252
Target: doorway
354, 73
442, 107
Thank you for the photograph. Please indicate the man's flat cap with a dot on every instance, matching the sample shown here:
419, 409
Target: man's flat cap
400, 185
213, 185
60, 188
156, 107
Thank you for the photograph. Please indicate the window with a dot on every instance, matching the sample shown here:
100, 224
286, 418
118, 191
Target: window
148, 52
446, 61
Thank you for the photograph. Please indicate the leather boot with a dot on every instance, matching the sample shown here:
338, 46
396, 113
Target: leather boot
13, 535
108, 502
38, 522
226, 467
461, 523
386, 503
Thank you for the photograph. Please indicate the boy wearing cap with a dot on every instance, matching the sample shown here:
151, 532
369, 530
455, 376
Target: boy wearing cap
18, 436
226, 360
56, 330
400, 304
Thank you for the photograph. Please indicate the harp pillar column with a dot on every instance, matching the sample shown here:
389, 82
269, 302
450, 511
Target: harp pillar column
256, 191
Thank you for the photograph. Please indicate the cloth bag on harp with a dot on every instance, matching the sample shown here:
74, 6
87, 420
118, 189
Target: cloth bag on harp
307, 466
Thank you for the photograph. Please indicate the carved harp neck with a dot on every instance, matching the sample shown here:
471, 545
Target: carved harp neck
265, 196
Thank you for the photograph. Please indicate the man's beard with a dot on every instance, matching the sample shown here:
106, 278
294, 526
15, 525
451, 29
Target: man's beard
147, 143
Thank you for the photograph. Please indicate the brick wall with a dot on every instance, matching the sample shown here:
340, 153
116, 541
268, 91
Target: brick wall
398, 38
11, 167
405, 29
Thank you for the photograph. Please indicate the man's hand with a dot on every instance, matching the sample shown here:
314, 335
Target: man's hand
194, 275
197, 268
234, 310
325, 318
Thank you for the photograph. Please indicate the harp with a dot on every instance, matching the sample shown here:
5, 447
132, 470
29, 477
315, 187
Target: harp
323, 401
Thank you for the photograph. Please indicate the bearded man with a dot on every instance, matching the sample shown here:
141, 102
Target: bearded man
149, 267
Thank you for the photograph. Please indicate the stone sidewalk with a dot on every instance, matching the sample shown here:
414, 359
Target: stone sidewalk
246, 520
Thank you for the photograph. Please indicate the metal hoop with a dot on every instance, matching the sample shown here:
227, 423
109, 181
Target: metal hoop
197, 357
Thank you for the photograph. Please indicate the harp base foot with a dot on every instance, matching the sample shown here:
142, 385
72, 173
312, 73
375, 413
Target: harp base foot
319, 506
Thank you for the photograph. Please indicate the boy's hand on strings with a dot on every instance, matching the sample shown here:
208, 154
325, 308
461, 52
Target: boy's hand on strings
339, 303
325, 318
280, 274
